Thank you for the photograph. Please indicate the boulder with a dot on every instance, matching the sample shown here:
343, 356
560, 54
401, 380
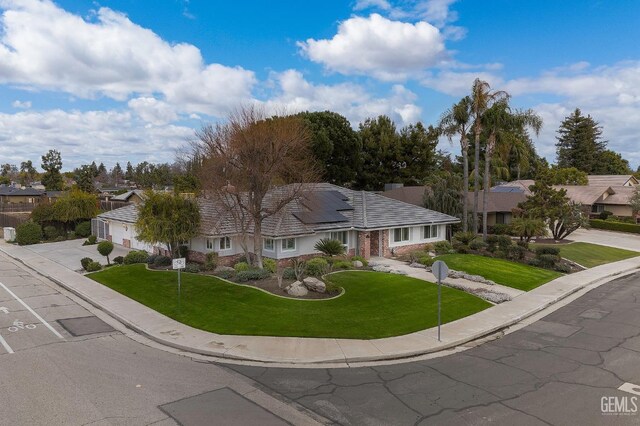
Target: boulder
297, 289
357, 264
381, 268
224, 268
398, 272
314, 284
417, 265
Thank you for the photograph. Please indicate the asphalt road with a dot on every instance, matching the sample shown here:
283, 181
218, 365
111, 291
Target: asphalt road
60, 364
562, 370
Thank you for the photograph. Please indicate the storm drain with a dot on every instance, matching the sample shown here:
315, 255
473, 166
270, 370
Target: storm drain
85, 325
220, 407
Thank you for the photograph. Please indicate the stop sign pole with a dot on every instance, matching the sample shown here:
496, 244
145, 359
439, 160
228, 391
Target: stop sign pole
440, 270
179, 264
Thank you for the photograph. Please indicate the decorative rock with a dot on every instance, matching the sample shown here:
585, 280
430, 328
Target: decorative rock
314, 284
398, 272
357, 264
417, 265
224, 268
297, 289
373, 263
381, 268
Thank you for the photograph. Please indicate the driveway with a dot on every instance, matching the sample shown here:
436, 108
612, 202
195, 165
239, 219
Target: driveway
607, 238
69, 253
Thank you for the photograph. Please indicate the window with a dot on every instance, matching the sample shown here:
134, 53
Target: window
500, 218
430, 231
400, 234
342, 236
267, 244
225, 243
597, 208
289, 244
209, 243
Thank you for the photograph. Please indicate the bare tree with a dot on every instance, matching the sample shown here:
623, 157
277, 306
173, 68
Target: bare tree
255, 166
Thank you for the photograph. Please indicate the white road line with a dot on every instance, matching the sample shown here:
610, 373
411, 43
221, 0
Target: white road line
46, 324
631, 388
6, 345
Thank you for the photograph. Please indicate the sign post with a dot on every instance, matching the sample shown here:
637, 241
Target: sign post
440, 270
179, 264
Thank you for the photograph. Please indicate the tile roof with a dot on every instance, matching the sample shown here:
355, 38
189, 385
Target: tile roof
127, 214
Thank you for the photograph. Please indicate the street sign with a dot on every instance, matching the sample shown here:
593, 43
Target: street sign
179, 263
440, 270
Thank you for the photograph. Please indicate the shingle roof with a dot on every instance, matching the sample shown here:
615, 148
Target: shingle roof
587, 195
498, 201
610, 180
126, 195
20, 192
621, 195
370, 211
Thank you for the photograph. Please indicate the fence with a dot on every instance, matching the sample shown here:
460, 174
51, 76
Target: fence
16, 207
107, 206
13, 219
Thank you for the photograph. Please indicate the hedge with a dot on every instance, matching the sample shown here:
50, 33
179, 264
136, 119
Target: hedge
614, 226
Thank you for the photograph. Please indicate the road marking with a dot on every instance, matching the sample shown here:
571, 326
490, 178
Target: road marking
5, 345
35, 314
631, 388
3, 309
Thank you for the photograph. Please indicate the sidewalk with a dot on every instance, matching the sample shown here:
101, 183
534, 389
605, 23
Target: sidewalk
312, 351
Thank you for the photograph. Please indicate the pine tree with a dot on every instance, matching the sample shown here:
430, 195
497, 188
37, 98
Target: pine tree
580, 143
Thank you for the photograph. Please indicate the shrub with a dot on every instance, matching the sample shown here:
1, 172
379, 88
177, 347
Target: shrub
91, 240
241, 266
426, 260
28, 233
498, 242
615, 226
105, 248
516, 252
329, 247
60, 238
151, 258
93, 267
85, 261
269, 265
477, 245
50, 232
417, 254
83, 229
191, 267
500, 229
428, 247
442, 247
464, 238
317, 266
289, 274
71, 235
252, 275
225, 273
342, 264
547, 260
211, 261
162, 261
183, 251
136, 256
118, 260
361, 259
524, 244
547, 250
565, 269
604, 215
500, 253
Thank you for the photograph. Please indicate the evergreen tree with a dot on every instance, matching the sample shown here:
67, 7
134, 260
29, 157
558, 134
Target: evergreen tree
580, 143
116, 174
84, 178
612, 163
51, 164
129, 174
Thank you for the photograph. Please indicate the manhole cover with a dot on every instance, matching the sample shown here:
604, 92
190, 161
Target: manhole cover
220, 407
85, 325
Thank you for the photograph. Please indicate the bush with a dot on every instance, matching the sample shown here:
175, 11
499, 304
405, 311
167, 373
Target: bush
500, 229
71, 235
93, 267
161, 261
85, 261
361, 259
60, 238
241, 266
105, 248
269, 265
289, 274
478, 245
464, 238
317, 266
136, 256
442, 247
516, 252
604, 215
615, 226
547, 260
225, 273
498, 242
83, 229
547, 250
329, 247
426, 260
192, 267
524, 244
28, 233
342, 264
565, 269
428, 247
91, 240
211, 261
50, 232
118, 260
183, 251
252, 275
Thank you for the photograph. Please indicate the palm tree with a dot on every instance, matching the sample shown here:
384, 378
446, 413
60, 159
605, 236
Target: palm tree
457, 120
481, 100
504, 128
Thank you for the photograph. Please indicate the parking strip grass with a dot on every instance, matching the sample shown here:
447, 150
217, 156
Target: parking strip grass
374, 304
590, 255
511, 274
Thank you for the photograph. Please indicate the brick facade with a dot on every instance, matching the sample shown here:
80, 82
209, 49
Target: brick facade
126, 243
364, 244
397, 251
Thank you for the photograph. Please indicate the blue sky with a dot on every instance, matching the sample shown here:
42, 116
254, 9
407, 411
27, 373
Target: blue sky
129, 80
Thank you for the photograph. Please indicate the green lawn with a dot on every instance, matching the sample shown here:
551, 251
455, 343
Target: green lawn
374, 304
512, 274
590, 255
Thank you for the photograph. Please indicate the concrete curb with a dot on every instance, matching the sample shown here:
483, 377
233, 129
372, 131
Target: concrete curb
223, 352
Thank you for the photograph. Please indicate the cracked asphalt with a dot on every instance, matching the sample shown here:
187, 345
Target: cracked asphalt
555, 371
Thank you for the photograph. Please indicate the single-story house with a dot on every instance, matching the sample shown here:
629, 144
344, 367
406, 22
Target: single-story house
16, 194
368, 224
500, 205
135, 196
613, 180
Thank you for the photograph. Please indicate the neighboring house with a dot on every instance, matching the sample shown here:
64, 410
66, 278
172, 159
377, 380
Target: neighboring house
368, 224
408, 194
13, 195
135, 196
612, 180
500, 205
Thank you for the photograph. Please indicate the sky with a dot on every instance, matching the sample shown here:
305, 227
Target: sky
131, 80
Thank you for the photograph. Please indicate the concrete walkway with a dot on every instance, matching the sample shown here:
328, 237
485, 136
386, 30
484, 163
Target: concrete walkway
312, 351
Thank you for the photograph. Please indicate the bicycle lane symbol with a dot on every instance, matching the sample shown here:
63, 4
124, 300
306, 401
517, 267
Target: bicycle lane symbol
19, 325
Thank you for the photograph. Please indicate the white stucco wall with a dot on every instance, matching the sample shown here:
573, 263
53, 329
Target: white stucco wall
415, 236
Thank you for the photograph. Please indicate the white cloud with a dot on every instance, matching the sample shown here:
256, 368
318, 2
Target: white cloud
152, 110
366, 4
295, 94
456, 83
45, 47
82, 137
21, 104
377, 46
